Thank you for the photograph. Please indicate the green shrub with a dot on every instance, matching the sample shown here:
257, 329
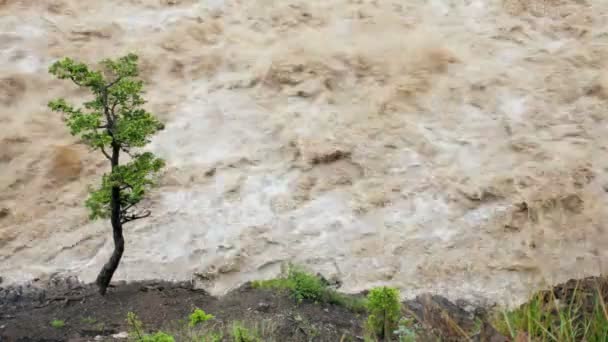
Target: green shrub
352, 303
199, 316
57, 324
301, 284
306, 286
384, 310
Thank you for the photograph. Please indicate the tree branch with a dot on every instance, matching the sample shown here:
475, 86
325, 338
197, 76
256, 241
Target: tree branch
113, 109
76, 82
105, 153
113, 82
134, 217
124, 210
126, 151
106, 112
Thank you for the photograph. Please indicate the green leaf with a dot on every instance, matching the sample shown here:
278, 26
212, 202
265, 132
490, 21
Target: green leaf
67, 68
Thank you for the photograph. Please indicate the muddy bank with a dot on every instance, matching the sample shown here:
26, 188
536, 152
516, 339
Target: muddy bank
27, 312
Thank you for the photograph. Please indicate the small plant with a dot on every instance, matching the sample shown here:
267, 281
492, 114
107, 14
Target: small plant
101, 326
136, 327
384, 310
89, 320
405, 332
352, 303
213, 337
199, 316
306, 286
158, 337
300, 283
137, 334
58, 324
242, 334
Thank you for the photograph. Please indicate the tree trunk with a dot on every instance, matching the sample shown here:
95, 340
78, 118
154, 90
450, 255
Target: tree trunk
105, 276
387, 333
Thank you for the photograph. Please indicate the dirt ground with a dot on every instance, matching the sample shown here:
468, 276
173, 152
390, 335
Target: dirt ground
26, 313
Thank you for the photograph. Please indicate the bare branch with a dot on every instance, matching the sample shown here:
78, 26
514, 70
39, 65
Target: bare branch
105, 153
106, 112
113, 82
113, 109
124, 210
75, 82
137, 216
126, 151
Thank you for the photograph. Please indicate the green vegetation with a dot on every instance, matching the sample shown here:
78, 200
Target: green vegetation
581, 317
113, 123
157, 337
199, 316
306, 286
302, 285
58, 324
560, 315
384, 309
406, 332
240, 333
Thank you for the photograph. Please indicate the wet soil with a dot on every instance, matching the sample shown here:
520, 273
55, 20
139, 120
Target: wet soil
26, 313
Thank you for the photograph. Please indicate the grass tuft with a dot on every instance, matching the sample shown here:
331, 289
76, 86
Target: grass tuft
58, 324
303, 285
579, 316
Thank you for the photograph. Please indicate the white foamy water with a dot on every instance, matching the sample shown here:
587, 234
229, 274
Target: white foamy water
437, 146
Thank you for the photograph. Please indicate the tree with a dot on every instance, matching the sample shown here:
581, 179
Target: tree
113, 123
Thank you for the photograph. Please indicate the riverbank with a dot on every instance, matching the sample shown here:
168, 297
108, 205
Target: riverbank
68, 310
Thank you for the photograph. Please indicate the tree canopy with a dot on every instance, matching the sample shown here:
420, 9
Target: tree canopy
114, 118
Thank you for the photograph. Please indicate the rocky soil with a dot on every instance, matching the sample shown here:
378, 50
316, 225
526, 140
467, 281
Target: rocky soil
26, 313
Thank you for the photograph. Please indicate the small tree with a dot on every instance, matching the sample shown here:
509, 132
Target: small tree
113, 122
384, 309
